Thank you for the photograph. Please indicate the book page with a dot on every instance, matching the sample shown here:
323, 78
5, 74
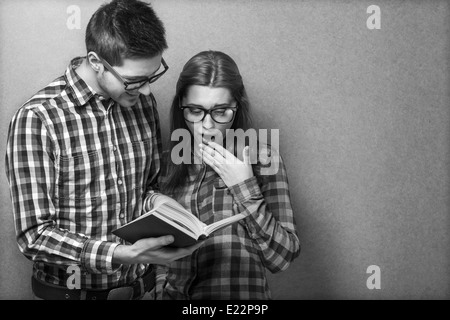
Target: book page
213, 227
164, 206
177, 224
181, 216
157, 199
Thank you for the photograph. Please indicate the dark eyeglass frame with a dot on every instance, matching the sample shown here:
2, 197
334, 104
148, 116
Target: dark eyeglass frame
129, 83
206, 112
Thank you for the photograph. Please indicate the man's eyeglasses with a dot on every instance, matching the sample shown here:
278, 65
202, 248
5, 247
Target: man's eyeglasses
220, 115
134, 85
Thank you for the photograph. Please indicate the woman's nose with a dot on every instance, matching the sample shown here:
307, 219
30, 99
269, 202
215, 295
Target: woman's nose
208, 122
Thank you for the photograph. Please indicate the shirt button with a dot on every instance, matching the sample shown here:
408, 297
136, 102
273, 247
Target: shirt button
121, 216
119, 181
114, 148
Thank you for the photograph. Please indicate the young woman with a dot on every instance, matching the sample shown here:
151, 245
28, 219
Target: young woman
211, 103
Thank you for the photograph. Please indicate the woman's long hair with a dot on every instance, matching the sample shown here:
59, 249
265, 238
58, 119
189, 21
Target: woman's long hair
207, 68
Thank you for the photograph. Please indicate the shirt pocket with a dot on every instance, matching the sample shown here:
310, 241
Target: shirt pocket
222, 200
137, 166
78, 175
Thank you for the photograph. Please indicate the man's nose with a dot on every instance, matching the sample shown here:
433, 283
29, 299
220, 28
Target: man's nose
145, 89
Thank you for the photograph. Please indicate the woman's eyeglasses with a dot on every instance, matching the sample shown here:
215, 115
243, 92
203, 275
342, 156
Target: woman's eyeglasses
220, 115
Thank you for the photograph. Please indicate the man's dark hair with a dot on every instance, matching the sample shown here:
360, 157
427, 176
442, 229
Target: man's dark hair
125, 29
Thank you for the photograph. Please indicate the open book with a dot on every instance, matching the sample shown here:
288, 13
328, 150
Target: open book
165, 216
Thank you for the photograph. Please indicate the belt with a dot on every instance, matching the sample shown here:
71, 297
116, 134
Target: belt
134, 290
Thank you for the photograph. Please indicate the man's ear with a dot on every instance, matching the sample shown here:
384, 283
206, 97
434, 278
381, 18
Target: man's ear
94, 61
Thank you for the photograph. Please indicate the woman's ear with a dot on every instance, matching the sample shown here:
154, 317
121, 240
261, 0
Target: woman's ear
94, 61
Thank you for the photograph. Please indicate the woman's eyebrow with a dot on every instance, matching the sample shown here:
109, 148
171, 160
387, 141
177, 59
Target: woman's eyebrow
220, 105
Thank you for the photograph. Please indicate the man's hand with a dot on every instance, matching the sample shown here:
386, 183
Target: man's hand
151, 251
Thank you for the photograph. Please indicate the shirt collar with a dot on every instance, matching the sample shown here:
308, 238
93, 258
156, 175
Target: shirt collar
82, 92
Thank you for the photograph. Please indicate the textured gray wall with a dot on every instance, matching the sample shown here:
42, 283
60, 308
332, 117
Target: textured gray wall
364, 123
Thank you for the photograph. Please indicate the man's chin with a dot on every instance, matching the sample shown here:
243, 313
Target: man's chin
128, 101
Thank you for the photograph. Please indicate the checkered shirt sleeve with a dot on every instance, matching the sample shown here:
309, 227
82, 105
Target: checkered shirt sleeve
270, 219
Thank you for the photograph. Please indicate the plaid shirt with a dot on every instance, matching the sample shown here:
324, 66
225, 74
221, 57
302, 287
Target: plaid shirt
232, 262
79, 166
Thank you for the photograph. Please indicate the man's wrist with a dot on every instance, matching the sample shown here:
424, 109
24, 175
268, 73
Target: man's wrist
122, 255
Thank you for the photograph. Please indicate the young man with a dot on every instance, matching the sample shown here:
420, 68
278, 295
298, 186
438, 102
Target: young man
83, 153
